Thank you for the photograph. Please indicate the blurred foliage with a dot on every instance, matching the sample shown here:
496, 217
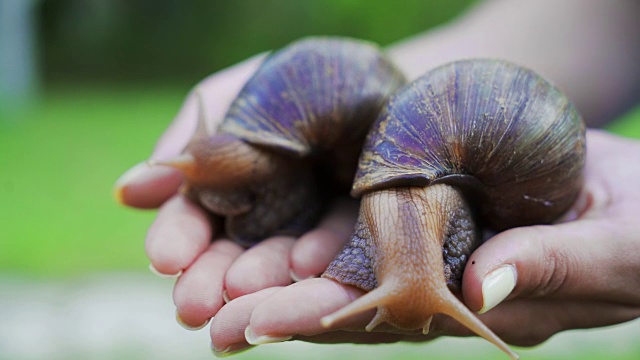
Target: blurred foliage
131, 40
104, 64
59, 163
59, 159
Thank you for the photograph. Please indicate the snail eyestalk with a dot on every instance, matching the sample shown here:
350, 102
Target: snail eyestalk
407, 229
185, 162
290, 139
222, 161
242, 182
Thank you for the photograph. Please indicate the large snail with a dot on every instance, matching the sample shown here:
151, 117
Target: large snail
471, 144
291, 137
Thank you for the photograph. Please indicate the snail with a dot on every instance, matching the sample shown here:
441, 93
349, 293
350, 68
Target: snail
471, 145
290, 139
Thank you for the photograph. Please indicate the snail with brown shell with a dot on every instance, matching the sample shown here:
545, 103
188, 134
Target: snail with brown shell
291, 138
471, 145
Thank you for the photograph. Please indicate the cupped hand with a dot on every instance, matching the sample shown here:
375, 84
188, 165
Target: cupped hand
179, 243
582, 272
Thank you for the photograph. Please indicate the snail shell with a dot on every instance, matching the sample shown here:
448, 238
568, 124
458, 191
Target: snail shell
471, 144
291, 138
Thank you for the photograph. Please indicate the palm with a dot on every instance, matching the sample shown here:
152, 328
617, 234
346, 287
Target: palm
258, 280
602, 228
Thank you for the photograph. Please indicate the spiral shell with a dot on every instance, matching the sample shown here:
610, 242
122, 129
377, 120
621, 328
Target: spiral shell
312, 95
499, 131
291, 138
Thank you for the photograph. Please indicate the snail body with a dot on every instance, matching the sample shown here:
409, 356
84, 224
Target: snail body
290, 139
471, 145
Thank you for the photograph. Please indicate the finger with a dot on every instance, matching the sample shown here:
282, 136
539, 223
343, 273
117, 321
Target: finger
262, 266
313, 251
521, 322
145, 186
198, 292
529, 322
228, 325
295, 312
148, 186
180, 232
217, 92
581, 259
298, 308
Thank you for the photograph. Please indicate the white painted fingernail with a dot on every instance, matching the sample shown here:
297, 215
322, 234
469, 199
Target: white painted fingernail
230, 350
262, 339
496, 286
164, 276
225, 297
296, 278
187, 326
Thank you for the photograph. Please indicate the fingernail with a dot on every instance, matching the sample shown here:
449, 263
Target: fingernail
296, 278
140, 173
164, 276
571, 215
254, 339
189, 327
496, 286
225, 297
134, 174
230, 350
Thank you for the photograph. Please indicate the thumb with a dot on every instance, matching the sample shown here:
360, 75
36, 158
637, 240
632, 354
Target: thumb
145, 186
573, 260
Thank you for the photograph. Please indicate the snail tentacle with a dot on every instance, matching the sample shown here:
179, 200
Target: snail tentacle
290, 140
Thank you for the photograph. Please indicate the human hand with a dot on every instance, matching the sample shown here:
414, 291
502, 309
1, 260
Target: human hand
579, 273
179, 241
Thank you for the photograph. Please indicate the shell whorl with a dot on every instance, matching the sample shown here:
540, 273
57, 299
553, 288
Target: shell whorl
313, 94
502, 128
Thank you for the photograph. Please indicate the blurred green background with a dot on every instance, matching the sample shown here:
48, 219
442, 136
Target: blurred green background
109, 77
93, 83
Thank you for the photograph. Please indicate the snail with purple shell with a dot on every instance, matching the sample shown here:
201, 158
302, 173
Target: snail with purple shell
469, 146
291, 139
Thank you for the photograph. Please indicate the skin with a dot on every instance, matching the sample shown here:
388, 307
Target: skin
307, 107
557, 283
409, 271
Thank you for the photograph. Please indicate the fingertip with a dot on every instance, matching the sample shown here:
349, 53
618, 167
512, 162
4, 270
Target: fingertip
497, 285
180, 232
188, 325
198, 291
315, 249
298, 308
166, 275
491, 272
119, 194
313, 252
536, 261
262, 266
228, 326
145, 186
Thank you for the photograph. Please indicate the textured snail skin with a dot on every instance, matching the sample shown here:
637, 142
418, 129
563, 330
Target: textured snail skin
470, 145
290, 139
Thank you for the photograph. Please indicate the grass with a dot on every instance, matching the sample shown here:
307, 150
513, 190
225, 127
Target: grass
58, 162
628, 125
